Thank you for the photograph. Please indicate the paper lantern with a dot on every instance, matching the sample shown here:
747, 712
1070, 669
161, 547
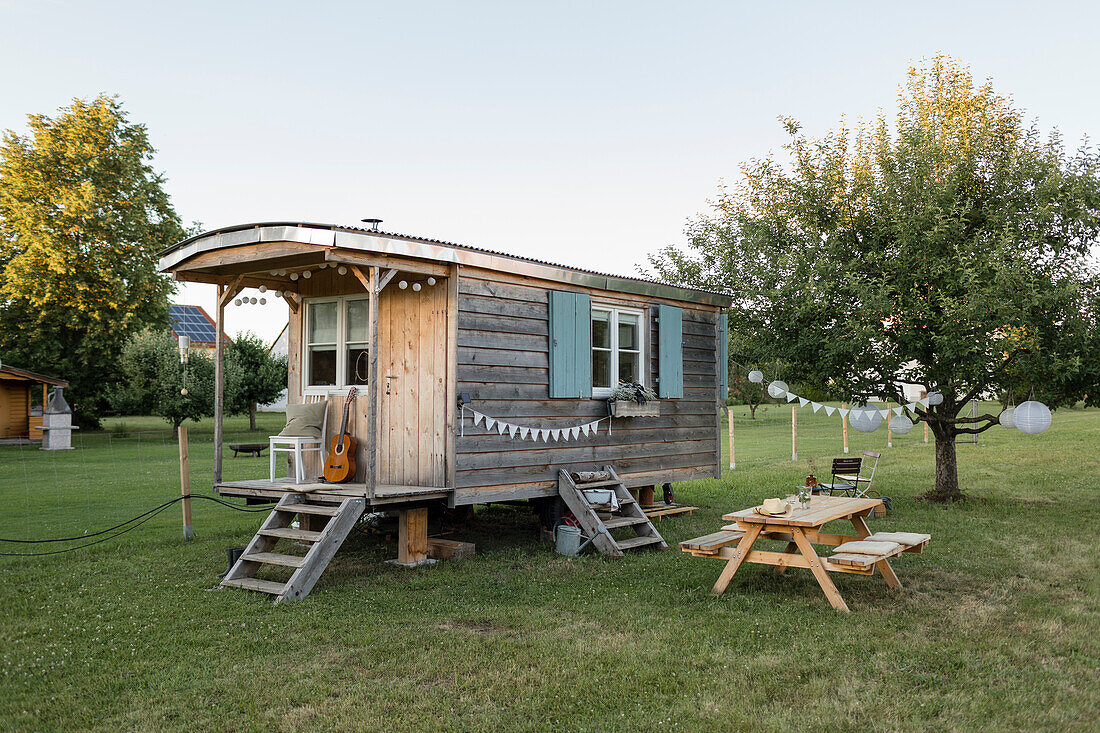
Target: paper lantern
1031, 417
307, 274
277, 293
263, 301
1006, 419
416, 287
756, 377
293, 276
253, 301
263, 288
865, 419
342, 270
900, 425
777, 389
935, 398
431, 281
402, 285
237, 301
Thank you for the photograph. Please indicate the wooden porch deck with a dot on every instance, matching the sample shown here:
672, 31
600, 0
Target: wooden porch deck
383, 493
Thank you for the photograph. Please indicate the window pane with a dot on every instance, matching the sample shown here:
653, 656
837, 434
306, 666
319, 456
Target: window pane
322, 323
628, 366
601, 368
358, 320
628, 331
322, 365
601, 333
358, 365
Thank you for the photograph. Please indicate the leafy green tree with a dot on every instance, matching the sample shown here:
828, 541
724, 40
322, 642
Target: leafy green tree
253, 376
82, 217
153, 381
948, 247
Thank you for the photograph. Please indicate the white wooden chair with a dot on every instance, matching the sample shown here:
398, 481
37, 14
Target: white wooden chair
299, 445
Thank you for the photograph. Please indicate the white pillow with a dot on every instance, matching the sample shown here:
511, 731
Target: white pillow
866, 547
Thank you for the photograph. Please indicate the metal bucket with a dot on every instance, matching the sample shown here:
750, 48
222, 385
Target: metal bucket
567, 540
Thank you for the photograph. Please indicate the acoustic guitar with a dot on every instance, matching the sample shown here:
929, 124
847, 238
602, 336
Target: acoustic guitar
340, 464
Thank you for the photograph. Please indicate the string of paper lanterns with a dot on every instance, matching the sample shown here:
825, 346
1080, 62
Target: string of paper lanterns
295, 276
1031, 417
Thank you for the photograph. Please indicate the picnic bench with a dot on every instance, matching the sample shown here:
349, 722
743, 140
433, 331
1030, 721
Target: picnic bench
860, 555
256, 449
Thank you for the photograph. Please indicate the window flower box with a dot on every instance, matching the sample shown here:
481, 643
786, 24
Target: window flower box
627, 408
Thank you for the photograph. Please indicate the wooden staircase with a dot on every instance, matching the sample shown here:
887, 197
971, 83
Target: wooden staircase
595, 524
323, 545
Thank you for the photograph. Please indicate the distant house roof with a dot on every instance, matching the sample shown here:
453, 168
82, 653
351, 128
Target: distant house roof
194, 323
10, 372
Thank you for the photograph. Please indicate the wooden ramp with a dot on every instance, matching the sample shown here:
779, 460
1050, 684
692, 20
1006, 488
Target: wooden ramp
629, 515
323, 545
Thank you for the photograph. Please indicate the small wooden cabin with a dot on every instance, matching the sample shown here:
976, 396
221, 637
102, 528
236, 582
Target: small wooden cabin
429, 331
19, 417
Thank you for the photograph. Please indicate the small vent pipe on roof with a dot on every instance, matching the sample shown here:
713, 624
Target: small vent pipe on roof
373, 223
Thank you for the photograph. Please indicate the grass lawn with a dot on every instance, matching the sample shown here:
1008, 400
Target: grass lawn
997, 627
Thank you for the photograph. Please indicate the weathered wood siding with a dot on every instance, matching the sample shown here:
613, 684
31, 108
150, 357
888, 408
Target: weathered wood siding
503, 363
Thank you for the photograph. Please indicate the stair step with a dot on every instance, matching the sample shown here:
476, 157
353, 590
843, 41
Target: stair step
264, 586
324, 511
624, 522
597, 484
291, 534
637, 542
275, 558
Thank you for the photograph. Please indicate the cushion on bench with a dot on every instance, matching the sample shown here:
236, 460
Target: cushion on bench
902, 538
866, 547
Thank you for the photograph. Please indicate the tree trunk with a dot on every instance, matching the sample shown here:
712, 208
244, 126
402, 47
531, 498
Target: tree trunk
251, 415
947, 467
752, 411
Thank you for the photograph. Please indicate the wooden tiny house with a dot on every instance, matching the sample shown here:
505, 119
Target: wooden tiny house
418, 324
19, 418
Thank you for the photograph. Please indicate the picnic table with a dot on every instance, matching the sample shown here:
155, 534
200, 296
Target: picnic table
801, 531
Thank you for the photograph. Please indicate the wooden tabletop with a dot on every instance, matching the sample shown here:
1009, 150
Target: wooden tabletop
822, 509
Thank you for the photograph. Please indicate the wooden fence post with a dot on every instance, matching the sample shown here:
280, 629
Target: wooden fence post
185, 484
844, 424
794, 432
925, 431
733, 455
889, 432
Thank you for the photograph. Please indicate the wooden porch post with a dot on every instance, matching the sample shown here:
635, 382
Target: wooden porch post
219, 381
371, 475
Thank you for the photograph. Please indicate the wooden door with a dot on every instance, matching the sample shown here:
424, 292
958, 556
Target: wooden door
412, 385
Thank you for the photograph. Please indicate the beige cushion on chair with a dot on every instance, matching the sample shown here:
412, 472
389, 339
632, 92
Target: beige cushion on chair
866, 547
305, 420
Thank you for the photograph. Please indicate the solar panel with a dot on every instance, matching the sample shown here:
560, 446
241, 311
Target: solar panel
190, 321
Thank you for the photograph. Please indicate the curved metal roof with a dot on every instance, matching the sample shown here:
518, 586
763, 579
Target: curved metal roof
330, 235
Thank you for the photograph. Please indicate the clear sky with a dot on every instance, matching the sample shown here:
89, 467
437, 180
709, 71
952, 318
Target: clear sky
585, 133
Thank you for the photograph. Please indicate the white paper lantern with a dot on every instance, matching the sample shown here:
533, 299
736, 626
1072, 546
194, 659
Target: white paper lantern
402, 285
293, 276
416, 287
865, 419
1032, 417
935, 398
253, 301
263, 301
777, 389
237, 301
263, 288
307, 274
900, 424
322, 266
277, 293
431, 281
1007, 419
342, 270
275, 273
756, 377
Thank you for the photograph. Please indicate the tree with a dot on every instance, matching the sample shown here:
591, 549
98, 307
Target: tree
253, 376
948, 249
153, 380
82, 217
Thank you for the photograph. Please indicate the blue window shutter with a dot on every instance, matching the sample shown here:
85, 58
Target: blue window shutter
723, 357
670, 352
570, 345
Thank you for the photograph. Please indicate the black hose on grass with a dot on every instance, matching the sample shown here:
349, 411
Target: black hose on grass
133, 522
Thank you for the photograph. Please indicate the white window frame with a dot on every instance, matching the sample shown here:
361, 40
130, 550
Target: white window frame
613, 312
341, 344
